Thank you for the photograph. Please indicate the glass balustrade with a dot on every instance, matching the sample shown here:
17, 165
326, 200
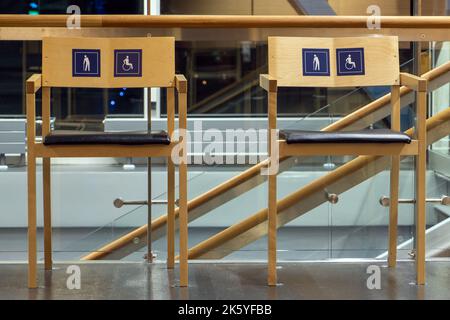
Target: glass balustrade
224, 93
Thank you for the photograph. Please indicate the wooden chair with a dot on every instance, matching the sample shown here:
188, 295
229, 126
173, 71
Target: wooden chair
346, 62
106, 63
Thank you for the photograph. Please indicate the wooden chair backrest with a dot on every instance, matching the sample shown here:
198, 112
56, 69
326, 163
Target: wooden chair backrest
100, 62
374, 61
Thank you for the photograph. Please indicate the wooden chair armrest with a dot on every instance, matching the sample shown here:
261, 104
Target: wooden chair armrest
268, 83
181, 83
34, 83
414, 82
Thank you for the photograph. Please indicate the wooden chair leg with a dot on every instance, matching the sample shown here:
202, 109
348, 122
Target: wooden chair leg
420, 218
32, 245
421, 167
170, 214
46, 174
183, 220
393, 210
272, 230
170, 183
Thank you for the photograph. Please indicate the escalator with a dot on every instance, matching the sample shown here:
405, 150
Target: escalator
313, 7
215, 103
237, 235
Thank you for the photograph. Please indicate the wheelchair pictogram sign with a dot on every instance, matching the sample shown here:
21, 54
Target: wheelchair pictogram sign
316, 62
86, 63
128, 63
350, 61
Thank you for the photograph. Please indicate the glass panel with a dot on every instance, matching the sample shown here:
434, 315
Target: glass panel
81, 109
316, 234
129, 219
439, 166
72, 109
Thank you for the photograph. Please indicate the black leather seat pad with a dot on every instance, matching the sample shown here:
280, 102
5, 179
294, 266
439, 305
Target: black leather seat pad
363, 136
122, 138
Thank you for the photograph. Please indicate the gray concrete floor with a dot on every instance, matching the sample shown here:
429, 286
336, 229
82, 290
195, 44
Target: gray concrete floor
305, 280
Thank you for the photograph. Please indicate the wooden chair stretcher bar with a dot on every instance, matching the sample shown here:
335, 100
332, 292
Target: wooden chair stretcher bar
103, 150
342, 149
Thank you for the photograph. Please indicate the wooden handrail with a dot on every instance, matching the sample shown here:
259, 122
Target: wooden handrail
250, 173
223, 21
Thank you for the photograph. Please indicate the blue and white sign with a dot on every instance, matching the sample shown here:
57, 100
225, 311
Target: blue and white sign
350, 62
128, 63
85, 63
316, 62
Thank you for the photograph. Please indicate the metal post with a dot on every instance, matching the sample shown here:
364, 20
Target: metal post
149, 169
149, 185
149, 206
416, 6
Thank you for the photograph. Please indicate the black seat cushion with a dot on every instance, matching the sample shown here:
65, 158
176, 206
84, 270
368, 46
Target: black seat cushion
123, 138
363, 136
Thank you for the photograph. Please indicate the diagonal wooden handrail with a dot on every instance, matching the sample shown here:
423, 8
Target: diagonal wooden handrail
198, 206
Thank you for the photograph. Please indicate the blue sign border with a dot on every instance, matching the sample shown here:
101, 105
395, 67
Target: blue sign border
316, 74
120, 74
351, 73
97, 74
